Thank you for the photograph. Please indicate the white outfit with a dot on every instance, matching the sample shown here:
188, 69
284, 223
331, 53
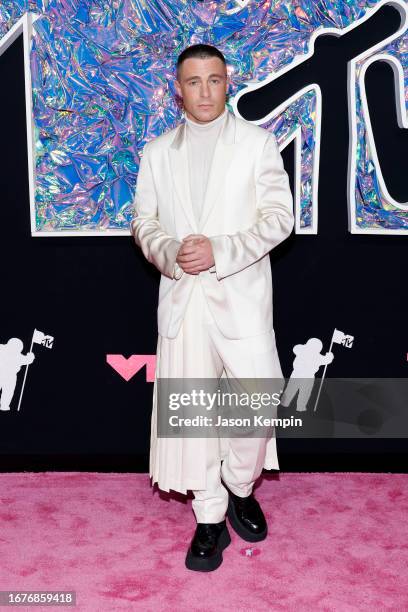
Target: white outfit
247, 211
220, 321
201, 351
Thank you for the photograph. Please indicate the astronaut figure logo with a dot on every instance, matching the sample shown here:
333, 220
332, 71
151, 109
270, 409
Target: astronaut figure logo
307, 362
305, 365
11, 361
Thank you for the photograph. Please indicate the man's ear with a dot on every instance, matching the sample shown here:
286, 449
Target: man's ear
227, 85
178, 88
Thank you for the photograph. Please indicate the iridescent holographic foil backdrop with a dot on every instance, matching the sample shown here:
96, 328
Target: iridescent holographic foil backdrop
102, 86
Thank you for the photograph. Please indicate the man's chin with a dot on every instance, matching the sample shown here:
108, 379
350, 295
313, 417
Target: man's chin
204, 115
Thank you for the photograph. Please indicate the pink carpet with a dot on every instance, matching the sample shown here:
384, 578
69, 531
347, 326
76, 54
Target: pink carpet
336, 542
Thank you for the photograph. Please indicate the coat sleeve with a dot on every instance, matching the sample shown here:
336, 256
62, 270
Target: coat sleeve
159, 248
234, 252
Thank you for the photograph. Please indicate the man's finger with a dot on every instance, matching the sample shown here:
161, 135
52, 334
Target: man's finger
189, 259
187, 250
192, 263
188, 269
193, 270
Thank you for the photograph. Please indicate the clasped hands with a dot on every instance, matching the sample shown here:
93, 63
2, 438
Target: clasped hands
195, 254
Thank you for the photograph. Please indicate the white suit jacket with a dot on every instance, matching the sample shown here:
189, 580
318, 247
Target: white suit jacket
247, 211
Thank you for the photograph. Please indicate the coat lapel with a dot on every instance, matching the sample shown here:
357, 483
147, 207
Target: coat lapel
220, 163
179, 169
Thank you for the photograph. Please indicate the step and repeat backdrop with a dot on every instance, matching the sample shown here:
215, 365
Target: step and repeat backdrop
84, 87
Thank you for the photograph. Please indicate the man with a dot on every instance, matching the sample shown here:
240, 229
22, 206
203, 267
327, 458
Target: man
212, 200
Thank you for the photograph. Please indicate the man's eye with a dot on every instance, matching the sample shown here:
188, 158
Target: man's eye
215, 80
193, 82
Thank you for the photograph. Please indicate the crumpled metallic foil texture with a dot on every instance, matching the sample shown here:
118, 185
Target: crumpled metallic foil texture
102, 86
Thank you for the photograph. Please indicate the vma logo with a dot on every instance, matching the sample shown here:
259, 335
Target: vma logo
128, 367
299, 117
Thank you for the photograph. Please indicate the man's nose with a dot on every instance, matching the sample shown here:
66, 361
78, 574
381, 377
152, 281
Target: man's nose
205, 90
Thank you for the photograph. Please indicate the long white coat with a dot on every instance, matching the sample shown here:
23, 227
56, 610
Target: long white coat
247, 211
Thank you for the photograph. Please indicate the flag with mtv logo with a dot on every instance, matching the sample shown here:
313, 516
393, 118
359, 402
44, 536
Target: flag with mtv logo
341, 338
338, 337
40, 338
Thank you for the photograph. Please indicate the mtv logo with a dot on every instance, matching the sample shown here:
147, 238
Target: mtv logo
95, 99
348, 341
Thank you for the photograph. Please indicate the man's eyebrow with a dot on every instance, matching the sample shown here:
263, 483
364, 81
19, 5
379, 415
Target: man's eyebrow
214, 74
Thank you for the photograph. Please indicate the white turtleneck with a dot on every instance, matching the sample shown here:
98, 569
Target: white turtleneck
201, 141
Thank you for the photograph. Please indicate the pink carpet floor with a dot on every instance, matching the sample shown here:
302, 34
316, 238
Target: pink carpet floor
336, 542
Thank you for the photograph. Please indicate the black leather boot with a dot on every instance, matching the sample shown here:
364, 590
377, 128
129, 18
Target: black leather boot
205, 551
246, 518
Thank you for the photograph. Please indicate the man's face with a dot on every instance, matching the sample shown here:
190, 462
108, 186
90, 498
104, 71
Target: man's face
202, 84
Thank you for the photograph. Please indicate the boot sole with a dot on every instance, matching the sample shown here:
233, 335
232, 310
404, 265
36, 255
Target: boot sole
211, 563
243, 533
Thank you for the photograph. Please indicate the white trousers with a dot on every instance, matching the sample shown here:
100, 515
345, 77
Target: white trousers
238, 461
